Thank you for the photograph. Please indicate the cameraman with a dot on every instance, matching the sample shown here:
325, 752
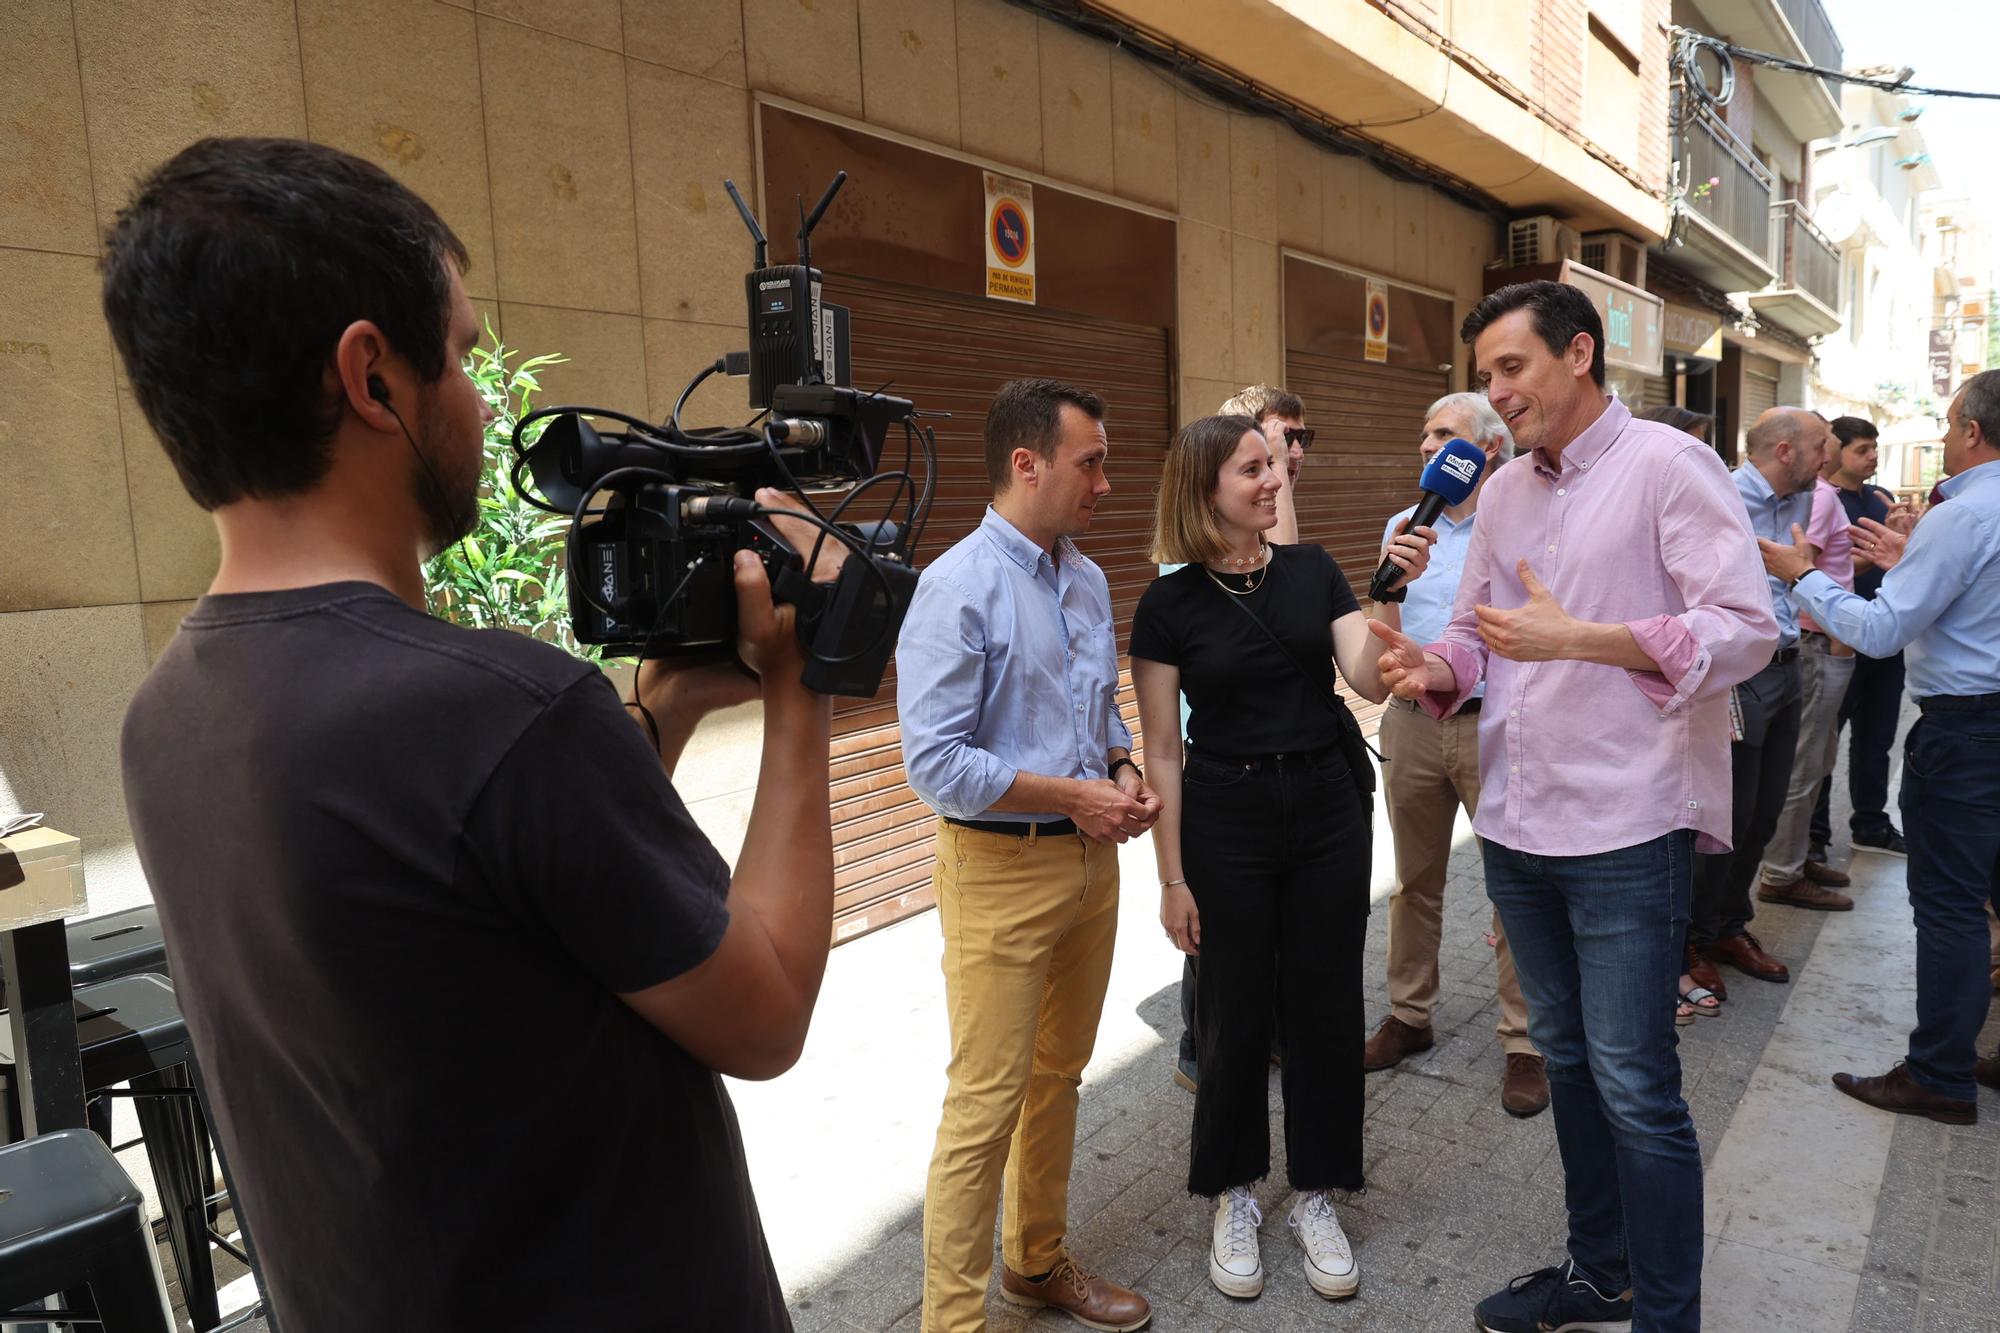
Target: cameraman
459, 968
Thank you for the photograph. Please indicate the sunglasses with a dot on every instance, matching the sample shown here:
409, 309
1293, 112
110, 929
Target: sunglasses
1301, 436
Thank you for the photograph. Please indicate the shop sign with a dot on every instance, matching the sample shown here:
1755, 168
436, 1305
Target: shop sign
1631, 315
1941, 357
1686, 331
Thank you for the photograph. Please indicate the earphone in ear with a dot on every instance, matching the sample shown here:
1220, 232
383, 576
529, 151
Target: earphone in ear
378, 390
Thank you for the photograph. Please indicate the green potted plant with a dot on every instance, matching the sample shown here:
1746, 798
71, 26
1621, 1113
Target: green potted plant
508, 572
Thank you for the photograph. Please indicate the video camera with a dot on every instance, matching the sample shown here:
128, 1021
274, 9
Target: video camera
650, 568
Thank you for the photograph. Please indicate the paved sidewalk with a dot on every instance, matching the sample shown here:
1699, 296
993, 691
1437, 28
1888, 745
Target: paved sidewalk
1823, 1214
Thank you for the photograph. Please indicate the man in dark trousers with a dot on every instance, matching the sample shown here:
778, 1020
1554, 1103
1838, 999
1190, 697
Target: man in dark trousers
1941, 604
1875, 695
462, 973
1785, 446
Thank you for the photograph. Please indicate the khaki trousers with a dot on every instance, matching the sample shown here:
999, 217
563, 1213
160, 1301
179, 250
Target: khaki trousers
1431, 769
1029, 924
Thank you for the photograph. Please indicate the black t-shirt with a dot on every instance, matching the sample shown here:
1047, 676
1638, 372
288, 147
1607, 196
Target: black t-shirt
403, 869
1242, 698
1867, 502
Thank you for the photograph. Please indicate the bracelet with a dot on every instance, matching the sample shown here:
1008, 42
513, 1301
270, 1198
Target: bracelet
1169, 883
1111, 771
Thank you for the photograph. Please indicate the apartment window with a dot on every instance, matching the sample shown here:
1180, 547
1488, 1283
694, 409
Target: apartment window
1611, 90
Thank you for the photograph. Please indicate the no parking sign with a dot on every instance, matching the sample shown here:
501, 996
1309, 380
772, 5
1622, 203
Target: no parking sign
1010, 239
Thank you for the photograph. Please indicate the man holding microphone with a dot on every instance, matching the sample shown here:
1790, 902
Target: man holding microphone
1940, 606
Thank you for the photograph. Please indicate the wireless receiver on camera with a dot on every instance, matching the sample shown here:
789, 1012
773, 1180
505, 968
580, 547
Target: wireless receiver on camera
784, 300
1448, 479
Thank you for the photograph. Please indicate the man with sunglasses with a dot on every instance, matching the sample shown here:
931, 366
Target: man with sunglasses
1281, 416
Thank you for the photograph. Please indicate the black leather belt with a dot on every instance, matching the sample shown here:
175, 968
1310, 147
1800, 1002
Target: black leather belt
1471, 705
1784, 655
1468, 707
1048, 828
1960, 703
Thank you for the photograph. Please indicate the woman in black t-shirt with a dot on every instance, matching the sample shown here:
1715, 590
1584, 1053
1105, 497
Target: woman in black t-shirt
1263, 838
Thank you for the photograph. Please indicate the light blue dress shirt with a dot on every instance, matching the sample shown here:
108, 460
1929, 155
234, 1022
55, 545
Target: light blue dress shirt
1427, 604
1772, 515
1007, 661
1940, 604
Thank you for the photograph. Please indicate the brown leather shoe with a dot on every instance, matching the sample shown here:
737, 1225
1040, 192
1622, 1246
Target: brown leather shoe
1897, 1091
1092, 1301
1986, 1072
1746, 955
1391, 1042
1819, 872
1525, 1091
1704, 973
1804, 893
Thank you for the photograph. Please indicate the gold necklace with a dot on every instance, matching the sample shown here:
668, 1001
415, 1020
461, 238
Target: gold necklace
1251, 581
1248, 561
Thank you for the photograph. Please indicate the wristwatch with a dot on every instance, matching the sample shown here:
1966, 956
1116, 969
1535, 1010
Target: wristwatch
1394, 596
1125, 760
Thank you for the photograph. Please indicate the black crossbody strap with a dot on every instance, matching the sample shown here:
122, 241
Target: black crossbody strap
1348, 725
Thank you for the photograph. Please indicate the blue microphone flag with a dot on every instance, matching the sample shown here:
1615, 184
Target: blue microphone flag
1453, 471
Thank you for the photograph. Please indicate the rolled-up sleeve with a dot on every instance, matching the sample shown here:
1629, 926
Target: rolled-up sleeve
940, 671
1932, 574
1727, 631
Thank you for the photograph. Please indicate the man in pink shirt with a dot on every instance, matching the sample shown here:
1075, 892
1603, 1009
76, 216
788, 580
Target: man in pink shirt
1826, 667
1611, 596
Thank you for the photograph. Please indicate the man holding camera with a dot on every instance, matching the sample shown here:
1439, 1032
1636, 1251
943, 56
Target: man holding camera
461, 971
1007, 689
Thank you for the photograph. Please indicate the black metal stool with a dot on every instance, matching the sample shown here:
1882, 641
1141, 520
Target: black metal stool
130, 1030
121, 944
71, 1219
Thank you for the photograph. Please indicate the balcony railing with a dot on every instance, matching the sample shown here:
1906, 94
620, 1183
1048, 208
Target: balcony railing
1810, 262
1729, 186
1822, 44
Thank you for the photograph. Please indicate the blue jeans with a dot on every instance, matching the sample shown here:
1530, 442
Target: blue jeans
1951, 818
1598, 942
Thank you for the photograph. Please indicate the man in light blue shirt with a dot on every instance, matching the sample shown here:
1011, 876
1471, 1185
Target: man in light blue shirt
1007, 691
1941, 606
1430, 769
1786, 447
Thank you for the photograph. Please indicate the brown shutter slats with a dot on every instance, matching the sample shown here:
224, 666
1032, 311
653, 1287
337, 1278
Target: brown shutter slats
951, 354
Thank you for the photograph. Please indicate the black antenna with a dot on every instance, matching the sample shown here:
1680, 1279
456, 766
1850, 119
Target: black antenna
756, 232
808, 222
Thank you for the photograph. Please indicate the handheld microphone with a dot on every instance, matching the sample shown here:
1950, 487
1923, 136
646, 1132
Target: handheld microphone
1448, 479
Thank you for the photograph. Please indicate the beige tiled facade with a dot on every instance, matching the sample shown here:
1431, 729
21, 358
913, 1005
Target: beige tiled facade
578, 148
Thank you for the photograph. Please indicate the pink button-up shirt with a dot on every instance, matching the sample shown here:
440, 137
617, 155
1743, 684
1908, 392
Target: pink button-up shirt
1828, 532
1640, 525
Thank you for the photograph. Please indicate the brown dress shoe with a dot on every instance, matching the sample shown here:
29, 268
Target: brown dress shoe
1897, 1091
1391, 1042
1092, 1301
1745, 954
1819, 872
1986, 1072
1804, 893
1704, 973
1525, 1090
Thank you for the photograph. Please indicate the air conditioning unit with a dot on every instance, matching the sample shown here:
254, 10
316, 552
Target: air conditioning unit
1540, 240
1615, 255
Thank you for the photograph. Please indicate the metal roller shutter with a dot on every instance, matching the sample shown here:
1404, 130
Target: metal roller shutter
949, 353
1363, 466
1760, 388
1657, 391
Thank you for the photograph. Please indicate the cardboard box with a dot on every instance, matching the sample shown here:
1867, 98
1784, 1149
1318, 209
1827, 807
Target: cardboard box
50, 867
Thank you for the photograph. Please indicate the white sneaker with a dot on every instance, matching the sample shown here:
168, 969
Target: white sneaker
1234, 1265
1330, 1265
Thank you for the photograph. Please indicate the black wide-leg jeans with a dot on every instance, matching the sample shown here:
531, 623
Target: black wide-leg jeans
1277, 854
